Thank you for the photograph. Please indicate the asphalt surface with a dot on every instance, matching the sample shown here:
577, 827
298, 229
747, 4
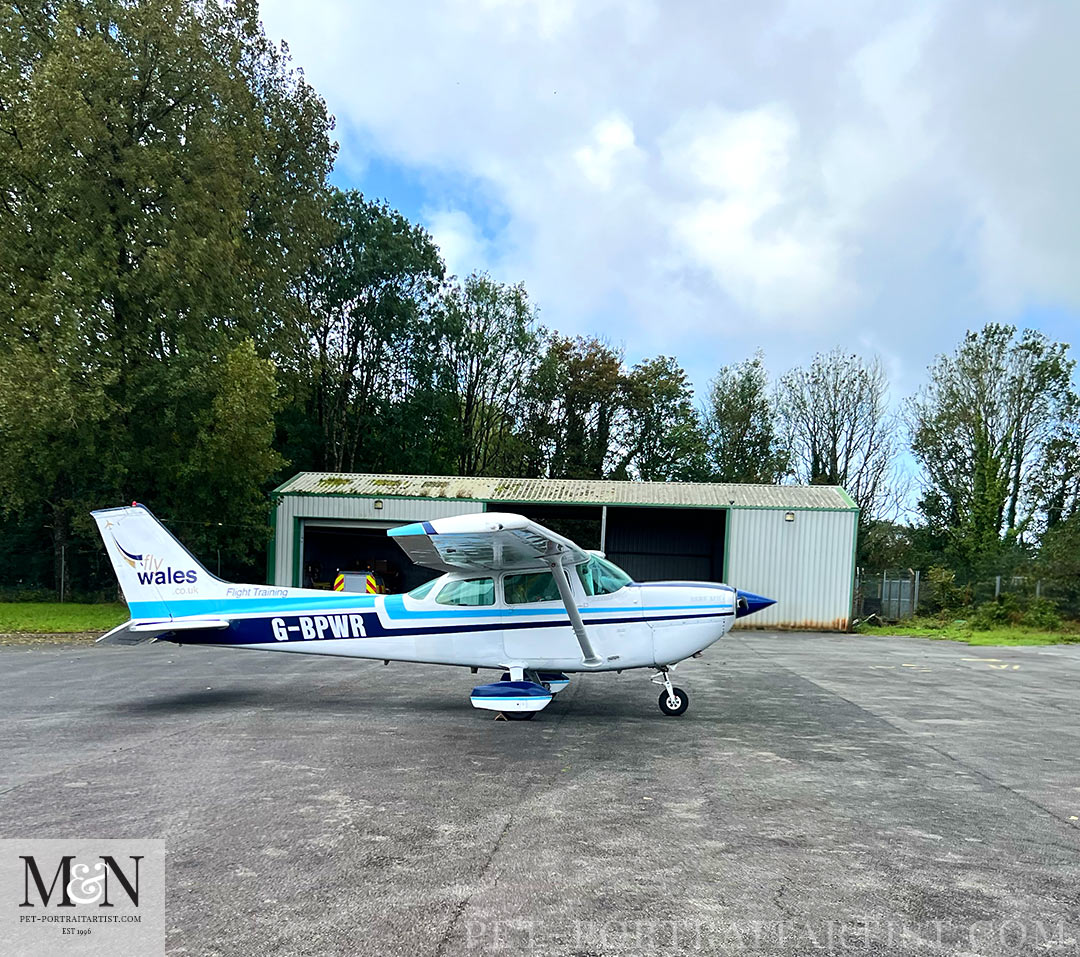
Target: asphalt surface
823, 794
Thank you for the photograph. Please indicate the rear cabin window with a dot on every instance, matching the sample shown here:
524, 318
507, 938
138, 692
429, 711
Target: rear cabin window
536, 586
469, 591
600, 577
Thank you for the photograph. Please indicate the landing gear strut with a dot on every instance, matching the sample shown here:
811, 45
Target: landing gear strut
673, 701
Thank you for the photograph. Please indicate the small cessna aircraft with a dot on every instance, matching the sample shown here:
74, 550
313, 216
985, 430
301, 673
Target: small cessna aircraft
514, 596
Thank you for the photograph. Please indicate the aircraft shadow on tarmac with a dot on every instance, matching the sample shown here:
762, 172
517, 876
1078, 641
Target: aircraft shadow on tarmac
593, 704
213, 699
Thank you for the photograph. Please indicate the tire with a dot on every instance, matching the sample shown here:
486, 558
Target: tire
518, 715
682, 700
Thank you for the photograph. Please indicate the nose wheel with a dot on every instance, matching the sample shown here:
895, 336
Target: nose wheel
673, 701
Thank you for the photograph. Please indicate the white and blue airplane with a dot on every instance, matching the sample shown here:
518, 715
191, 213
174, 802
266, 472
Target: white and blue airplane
514, 597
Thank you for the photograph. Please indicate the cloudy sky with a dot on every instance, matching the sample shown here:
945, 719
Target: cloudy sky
705, 179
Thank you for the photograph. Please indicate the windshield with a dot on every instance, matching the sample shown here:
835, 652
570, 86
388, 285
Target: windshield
422, 591
601, 577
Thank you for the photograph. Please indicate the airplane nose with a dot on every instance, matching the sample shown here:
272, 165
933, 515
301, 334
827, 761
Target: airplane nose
746, 603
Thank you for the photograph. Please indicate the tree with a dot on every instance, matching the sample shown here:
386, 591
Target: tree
489, 349
989, 414
739, 423
1059, 561
661, 437
160, 175
841, 432
572, 404
371, 347
1056, 477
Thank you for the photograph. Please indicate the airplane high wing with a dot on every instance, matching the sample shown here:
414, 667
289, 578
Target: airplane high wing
497, 541
514, 596
490, 541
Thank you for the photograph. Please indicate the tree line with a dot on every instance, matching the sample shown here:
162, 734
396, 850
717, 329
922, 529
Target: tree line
191, 313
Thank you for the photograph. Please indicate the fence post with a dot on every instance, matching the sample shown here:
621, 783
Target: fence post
915, 597
997, 588
1038, 588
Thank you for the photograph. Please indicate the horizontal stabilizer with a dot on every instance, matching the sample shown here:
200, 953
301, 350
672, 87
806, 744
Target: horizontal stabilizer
141, 632
185, 624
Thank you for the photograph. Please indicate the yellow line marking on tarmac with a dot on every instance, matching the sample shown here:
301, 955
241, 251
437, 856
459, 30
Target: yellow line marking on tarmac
980, 659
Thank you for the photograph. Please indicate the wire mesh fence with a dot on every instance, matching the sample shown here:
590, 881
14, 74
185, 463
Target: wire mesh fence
896, 594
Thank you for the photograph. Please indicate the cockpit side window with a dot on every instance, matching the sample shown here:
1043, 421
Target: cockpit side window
468, 591
600, 577
534, 586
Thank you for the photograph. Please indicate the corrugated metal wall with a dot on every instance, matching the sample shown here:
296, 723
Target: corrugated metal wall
345, 508
806, 565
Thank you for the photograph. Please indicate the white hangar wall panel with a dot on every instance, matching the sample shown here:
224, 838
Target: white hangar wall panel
806, 565
294, 510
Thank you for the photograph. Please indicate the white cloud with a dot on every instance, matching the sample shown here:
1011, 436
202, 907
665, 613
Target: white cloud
747, 221
611, 152
704, 179
463, 246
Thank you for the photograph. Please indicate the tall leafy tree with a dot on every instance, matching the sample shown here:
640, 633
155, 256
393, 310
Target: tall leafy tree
991, 412
570, 409
1055, 484
160, 175
577, 395
371, 346
661, 436
740, 426
841, 432
489, 349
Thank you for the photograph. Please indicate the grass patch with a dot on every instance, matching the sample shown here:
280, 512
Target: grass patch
51, 618
1067, 633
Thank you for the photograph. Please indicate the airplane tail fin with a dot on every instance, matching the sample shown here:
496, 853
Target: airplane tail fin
156, 573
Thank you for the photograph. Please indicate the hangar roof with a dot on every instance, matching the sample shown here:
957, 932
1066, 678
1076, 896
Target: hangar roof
570, 491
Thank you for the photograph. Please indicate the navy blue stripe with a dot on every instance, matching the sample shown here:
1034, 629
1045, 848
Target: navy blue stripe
250, 631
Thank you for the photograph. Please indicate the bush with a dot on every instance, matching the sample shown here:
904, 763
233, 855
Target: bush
997, 614
944, 593
1041, 613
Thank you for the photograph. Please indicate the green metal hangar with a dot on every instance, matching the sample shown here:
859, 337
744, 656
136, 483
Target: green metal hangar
792, 543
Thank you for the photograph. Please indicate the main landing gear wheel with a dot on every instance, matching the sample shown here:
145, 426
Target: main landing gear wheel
675, 703
518, 715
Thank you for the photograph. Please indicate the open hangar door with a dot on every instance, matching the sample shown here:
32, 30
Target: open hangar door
667, 544
330, 547
650, 544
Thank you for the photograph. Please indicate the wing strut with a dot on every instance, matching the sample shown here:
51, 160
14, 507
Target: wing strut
589, 656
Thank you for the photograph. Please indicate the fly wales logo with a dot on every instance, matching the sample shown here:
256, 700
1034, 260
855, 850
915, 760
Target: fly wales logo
152, 570
82, 896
